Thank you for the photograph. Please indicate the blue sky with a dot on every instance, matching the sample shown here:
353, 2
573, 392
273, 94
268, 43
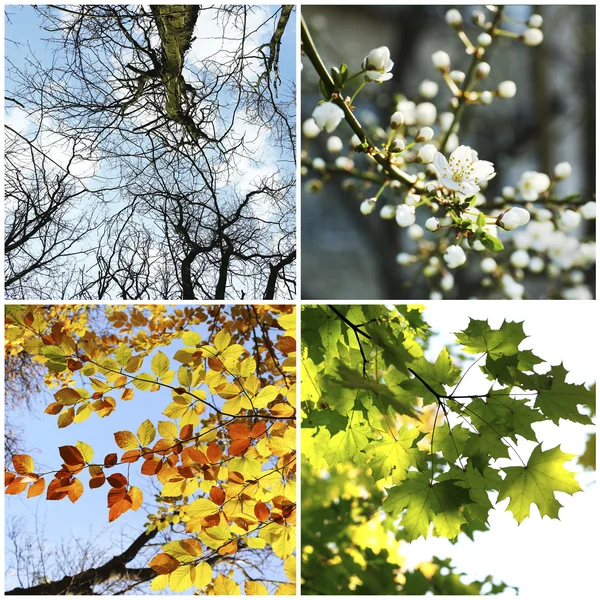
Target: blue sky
88, 517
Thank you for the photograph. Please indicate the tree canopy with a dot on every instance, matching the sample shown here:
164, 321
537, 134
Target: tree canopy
215, 476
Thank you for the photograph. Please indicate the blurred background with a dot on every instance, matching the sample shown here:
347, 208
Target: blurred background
550, 120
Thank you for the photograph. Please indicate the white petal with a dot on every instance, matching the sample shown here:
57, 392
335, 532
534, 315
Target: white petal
483, 170
440, 163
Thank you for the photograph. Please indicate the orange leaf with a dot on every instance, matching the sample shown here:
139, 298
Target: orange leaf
130, 456
57, 490
53, 408
97, 481
286, 344
126, 440
8, 477
217, 495
238, 430
71, 456
117, 509
75, 490
230, 548
117, 480
17, 486
23, 464
110, 460
239, 447
214, 452
163, 564
261, 511
137, 496
258, 430
151, 466
35, 489
186, 432
127, 394
116, 495
193, 455
215, 364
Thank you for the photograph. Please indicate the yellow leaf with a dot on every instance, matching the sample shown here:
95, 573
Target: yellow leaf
144, 381
83, 412
123, 354
202, 507
67, 396
168, 429
191, 338
254, 542
126, 440
266, 395
283, 540
255, 588
184, 376
289, 566
86, 451
247, 366
160, 364
159, 583
203, 575
222, 340
181, 578
286, 589
146, 432
226, 587
66, 417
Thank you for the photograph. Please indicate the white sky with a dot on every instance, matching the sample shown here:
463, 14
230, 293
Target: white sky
545, 558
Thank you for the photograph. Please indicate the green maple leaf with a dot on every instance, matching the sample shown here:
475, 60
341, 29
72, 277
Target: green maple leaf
479, 337
347, 445
393, 345
559, 399
392, 457
449, 442
536, 483
426, 503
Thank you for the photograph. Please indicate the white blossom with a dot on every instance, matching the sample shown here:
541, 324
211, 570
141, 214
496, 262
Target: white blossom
455, 256
535, 21
531, 184
355, 141
562, 170
425, 113
368, 206
328, 116
509, 220
405, 215
457, 76
446, 120
415, 232
483, 70
464, 171
428, 89
519, 259
427, 153
318, 164
512, 289
310, 129
507, 89
486, 97
334, 144
508, 192
407, 108
588, 210
425, 134
378, 64
569, 219
397, 145
388, 211
432, 224
532, 37
447, 282
454, 18
412, 199
484, 39
344, 163
397, 120
580, 292
404, 258
488, 265
536, 264
441, 60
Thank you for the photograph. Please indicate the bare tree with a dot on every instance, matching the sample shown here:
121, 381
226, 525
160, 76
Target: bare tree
190, 191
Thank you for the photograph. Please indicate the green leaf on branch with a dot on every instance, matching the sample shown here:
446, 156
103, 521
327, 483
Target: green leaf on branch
536, 483
479, 337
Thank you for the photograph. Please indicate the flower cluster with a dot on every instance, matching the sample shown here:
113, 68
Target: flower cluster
425, 175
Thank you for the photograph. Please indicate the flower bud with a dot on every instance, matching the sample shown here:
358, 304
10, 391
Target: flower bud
387, 212
441, 60
535, 21
396, 120
484, 39
412, 199
536, 264
368, 206
428, 89
488, 265
334, 144
588, 210
447, 282
328, 116
569, 219
483, 70
532, 37
454, 18
405, 215
355, 141
486, 97
519, 259
508, 192
310, 129
455, 256
506, 89
523, 215
432, 224
415, 232
318, 164
397, 145
446, 120
344, 163
457, 76
562, 170
425, 113
425, 134
404, 258
426, 153
509, 220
